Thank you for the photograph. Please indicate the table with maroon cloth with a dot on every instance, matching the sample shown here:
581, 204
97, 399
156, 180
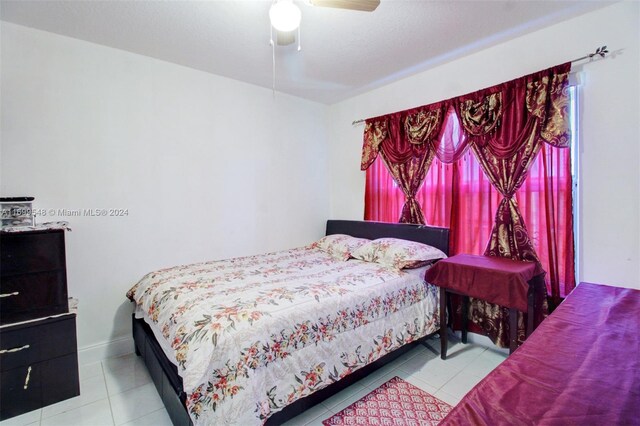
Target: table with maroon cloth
581, 367
510, 283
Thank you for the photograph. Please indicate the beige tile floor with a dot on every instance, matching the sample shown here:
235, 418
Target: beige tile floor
119, 391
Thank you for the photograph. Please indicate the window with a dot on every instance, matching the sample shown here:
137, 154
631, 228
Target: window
459, 196
575, 170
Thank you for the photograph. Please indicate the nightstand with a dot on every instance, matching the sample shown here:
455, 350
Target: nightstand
514, 284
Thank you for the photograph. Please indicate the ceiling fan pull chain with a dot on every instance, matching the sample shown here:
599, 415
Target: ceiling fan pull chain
270, 34
273, 62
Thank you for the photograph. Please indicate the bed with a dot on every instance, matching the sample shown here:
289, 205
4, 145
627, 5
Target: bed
279, 332
579, 367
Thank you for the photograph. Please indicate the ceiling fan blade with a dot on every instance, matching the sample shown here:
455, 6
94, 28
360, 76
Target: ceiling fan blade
285, 38
362, 5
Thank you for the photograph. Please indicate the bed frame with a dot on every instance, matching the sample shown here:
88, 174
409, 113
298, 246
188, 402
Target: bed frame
169, 383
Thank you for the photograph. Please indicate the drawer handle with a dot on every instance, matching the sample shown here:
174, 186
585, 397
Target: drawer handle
15, 293
26, 381
8, 351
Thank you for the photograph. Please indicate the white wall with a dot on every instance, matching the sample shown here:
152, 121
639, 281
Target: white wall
610, 128
207, 167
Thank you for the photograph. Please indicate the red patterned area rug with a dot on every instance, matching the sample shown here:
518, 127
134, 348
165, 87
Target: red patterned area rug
396, 403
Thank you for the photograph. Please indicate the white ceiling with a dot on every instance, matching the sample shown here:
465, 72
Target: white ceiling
343, 52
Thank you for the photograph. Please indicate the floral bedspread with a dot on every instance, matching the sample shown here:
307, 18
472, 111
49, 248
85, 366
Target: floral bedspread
251, 335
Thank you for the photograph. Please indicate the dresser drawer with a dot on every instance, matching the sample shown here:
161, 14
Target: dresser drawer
30, 296
20, 391
60, 379
28, 252
26, 344
48, 382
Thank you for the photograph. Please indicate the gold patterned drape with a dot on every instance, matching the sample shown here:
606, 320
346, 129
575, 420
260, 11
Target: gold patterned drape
375, 131
481, 117
534, 112
409, 175
509, 237
422, 126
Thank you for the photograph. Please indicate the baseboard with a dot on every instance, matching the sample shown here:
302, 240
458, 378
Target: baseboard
100, 351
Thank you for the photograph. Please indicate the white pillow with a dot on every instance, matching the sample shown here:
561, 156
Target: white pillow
401, 254
339, 246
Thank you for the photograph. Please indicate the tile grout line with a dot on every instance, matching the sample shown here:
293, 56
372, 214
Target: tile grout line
453, 404
460, 372
139, 417
113, 419
109, 394
144, 415
329, 412
73, 408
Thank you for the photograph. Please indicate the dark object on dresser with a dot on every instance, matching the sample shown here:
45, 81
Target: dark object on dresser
169, 383
38, 352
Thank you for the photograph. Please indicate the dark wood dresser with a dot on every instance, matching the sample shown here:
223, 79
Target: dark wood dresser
38, 347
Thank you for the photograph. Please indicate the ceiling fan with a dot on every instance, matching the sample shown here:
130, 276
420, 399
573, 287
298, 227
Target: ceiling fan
285, 15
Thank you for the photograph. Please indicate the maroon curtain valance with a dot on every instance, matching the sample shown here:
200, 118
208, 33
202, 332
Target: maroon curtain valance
500, 119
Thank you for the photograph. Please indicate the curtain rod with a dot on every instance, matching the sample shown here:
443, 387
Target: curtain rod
600, 51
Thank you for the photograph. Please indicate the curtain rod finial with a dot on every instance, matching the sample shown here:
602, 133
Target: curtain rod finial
602, 51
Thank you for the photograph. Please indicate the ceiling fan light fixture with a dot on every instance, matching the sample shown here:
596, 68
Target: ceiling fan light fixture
284, 15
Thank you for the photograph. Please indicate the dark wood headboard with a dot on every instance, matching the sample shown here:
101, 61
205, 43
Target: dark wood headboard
431, 235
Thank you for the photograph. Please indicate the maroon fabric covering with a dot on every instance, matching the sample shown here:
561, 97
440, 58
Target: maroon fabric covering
493, 279
580, 367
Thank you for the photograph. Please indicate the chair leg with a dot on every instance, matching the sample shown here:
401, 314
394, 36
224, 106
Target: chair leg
465, 317
443, 323
513, 330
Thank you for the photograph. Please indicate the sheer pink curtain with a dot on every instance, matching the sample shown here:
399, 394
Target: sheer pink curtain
383, 199
545, 201
464, 201
460, 197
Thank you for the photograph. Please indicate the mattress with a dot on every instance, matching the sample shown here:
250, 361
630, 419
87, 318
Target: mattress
251, 335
